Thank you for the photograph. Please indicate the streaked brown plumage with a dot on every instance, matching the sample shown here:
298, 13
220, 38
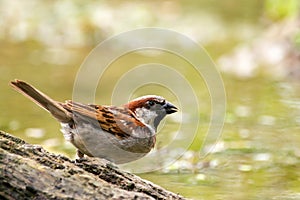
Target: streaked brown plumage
120, 134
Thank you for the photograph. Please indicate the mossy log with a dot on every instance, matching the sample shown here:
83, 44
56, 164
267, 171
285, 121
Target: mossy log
30, 172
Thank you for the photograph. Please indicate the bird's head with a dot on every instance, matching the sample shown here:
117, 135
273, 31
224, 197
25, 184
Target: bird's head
151, 109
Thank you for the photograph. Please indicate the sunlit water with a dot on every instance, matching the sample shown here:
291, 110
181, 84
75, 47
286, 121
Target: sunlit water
258, 154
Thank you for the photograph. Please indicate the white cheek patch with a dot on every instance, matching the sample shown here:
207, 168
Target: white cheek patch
145, 115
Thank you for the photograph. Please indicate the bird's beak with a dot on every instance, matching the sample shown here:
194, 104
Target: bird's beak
170, 108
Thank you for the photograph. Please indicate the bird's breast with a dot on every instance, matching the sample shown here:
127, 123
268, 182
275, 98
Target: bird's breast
96, 142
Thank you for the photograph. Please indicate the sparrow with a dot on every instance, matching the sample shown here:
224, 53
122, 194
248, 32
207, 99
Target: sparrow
120, 134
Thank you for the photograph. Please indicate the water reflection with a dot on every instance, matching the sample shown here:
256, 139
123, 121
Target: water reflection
258, 156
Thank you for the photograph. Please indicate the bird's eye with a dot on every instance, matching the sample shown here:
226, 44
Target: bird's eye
151, 103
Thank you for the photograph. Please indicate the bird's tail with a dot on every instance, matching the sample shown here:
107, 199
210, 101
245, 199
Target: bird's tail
42, 100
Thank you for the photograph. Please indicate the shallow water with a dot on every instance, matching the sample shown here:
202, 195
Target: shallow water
257, 155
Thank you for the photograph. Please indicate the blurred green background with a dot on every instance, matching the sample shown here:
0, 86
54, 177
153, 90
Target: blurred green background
255, 45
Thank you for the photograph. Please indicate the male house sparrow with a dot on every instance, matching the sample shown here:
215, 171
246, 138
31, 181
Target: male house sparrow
119, 134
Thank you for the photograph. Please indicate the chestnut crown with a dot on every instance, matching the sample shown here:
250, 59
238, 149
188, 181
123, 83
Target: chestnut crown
151, 109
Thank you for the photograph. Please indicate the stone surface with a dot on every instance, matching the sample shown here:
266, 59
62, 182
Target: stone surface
30, 172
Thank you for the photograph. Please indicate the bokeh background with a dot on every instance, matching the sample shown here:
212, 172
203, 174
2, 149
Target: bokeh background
254, 43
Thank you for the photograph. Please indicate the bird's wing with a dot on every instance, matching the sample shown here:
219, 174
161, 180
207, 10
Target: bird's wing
119, 121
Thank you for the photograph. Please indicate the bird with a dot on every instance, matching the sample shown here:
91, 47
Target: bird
120, 134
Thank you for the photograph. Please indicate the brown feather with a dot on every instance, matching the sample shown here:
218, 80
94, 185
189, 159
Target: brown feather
121, 122
42, 100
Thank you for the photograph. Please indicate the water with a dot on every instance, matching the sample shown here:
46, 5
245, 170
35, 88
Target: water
258, 153
257, 156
